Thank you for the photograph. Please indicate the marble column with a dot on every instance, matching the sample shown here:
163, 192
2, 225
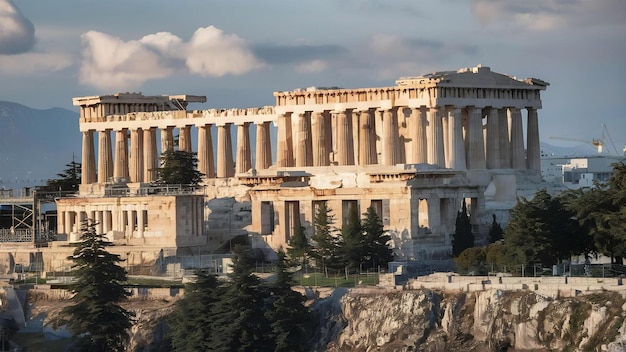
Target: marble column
319, 136
518, 160
150, 157
167, 139
493, 139
420, 149
263, 146
105, 158
532, 141
475, 144
445, 131
503, 138
390, 137
284, 148
136, 155
435, 137
224, 152
120, 168
367, 139
88, 173
345, 146
206, 163
457, 145
304, 153
244, 159
184, 139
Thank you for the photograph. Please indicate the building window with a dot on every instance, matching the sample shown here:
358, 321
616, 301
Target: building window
267, 218
347, 207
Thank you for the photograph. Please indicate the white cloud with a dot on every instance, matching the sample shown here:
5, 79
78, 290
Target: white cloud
213, 53
33, 63
112, 63
549, 14
17, 34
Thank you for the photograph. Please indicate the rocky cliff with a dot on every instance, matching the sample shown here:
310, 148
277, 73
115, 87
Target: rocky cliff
490, 320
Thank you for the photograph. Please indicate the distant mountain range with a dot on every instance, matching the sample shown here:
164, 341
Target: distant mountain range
35, 145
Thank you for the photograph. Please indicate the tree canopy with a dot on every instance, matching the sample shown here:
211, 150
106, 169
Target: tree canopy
178, 168
98, 322
463, 236
67, 181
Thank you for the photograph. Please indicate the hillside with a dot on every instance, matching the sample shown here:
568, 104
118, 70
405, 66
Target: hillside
35, 144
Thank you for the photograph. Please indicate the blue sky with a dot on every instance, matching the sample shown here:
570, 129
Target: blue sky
238, 52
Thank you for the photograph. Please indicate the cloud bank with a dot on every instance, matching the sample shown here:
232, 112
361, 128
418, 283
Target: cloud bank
111, 63
17, 34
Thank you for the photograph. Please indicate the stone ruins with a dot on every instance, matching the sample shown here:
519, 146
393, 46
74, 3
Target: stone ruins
413, 151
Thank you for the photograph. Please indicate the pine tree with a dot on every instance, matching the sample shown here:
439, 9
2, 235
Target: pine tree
191, 323
67, 181
377, 251
239, 316
495, 231
178, 168
95, 318
352, 246
299, 247
463, 237
326, 242
287, 314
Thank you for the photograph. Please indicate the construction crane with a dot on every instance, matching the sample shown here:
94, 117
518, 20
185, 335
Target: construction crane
598, 143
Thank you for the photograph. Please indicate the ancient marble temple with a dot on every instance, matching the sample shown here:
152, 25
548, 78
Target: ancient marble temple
413, 151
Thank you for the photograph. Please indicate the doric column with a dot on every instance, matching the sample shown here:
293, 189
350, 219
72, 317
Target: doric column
320, 138
445, 131
88, 173
206, 163
284, 148
120, 169
390, 137
435, 136
224, 152
184, 139
533, 148
518, 161
167, 139
504, 142
345, 146
367, 139
136, 156
140, 224
420, 149
304, 154
457, 145
150, 157
493, 139
105, 158
475, 144
263, 146
243, 161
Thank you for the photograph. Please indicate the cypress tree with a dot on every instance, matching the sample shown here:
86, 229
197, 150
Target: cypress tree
463, 237
95, 318
377, 251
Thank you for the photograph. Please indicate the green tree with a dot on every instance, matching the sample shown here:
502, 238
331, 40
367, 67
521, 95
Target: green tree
540, 230
191, 324
299, 247
97, 320
495, 231
325, 240
239, 317
463, 236
287, 314
472, 261
352, 245
377, 251
178, 168
67, 181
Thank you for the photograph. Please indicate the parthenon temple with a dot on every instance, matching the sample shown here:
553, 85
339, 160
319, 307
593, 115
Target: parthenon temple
413, 151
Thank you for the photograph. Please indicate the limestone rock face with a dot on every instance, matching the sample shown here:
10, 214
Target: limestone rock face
490, 320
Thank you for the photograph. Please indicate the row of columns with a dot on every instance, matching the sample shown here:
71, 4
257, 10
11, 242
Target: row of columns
131, 222
448, 136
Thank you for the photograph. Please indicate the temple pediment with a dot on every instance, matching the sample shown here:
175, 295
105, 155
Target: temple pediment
475, 77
